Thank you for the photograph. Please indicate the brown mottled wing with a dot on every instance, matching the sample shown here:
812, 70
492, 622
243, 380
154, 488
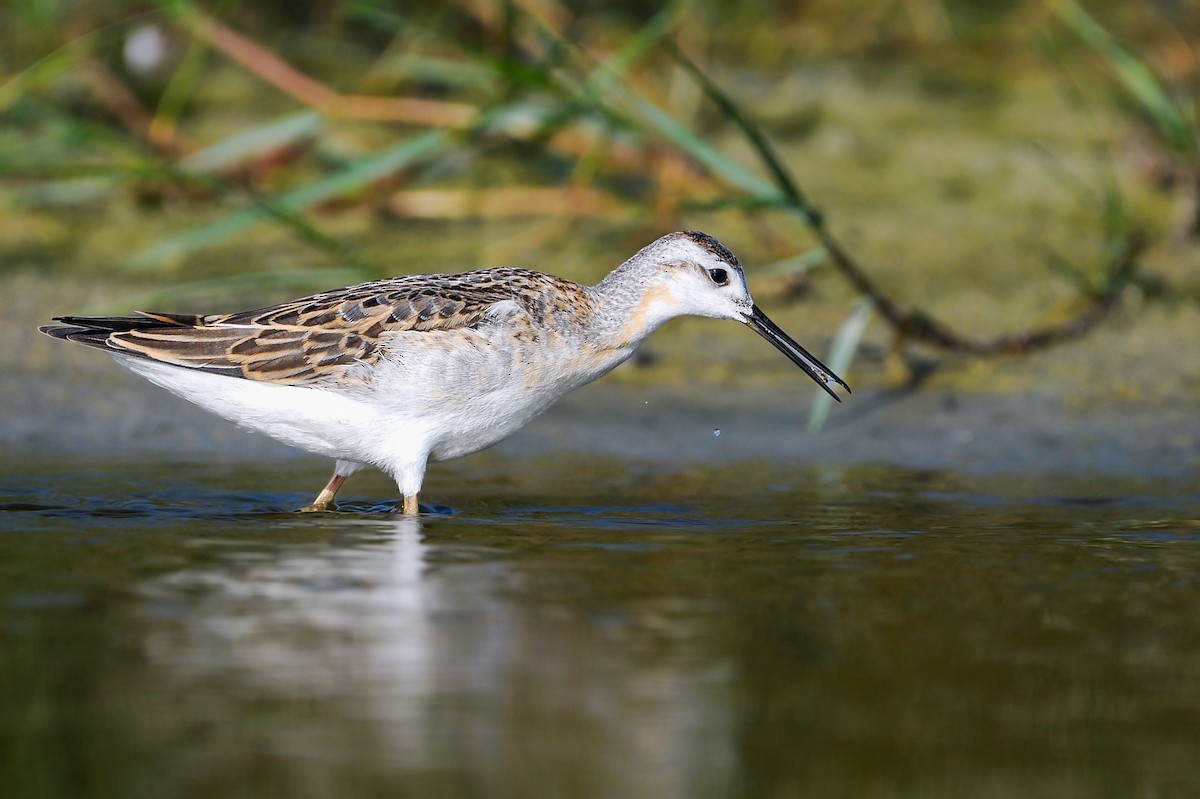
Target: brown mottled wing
324, 339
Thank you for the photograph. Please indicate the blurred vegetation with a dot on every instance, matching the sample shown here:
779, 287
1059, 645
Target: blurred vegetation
364, 127
1169, 111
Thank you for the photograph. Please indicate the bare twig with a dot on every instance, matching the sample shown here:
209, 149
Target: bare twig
311, 92
915, 324
412, 110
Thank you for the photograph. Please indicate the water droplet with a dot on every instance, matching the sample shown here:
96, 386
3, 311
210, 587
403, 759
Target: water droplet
716, 432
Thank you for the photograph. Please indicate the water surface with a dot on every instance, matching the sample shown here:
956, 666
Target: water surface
568, 627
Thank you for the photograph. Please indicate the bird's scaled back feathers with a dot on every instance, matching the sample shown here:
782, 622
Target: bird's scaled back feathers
327, 338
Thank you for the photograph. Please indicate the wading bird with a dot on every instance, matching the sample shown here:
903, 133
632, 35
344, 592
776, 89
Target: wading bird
400, 372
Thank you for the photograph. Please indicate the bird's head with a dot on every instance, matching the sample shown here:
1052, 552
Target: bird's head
691, 273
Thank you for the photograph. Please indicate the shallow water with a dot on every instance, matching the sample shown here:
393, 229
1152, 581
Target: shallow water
560, 627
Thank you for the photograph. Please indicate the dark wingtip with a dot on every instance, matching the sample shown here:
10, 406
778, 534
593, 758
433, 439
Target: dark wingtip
77, 334
94, 330
58, 331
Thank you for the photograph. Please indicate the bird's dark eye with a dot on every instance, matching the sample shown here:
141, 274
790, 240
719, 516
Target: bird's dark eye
719, 276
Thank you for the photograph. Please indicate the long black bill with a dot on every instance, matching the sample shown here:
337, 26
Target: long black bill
818, 371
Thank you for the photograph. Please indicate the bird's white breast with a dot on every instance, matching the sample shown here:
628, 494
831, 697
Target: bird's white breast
474, 388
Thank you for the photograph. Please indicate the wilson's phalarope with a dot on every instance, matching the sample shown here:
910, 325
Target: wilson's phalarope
399, 372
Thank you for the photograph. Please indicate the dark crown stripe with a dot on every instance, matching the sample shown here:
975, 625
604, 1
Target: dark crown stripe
707, 242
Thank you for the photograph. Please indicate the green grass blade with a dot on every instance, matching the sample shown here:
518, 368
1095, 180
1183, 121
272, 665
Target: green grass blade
185, 296
613, 70
737, 203
588, 95
786, 185
286, 208
752, 132
65, 193
605, 79
47, 70
841, 354
708, 156
796, 265
254, 141
1136, 76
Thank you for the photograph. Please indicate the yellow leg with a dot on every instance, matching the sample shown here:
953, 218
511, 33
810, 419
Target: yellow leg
410, 505
325, 498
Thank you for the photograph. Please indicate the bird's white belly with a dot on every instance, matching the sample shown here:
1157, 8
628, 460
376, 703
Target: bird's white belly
491, 418
423, 402
325, 422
